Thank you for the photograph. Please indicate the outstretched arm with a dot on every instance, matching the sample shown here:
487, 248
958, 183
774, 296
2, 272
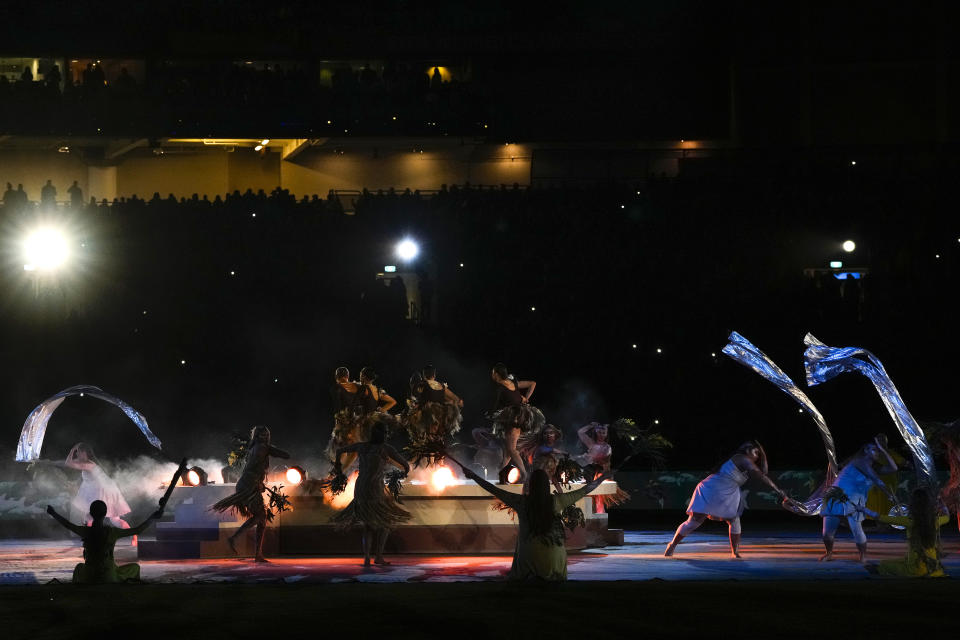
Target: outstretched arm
278, 453
746, 464
571, 497
866, 467
509, 498
77, 529
350, 448
137, 530
73, 463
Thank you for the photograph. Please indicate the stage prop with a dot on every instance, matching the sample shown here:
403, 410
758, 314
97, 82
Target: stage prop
457, 519
35, 426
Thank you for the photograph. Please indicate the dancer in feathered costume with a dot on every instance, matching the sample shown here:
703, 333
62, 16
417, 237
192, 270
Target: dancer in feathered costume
373, 507
720, 496
247, 499
847, 497
513, 413
353, 402
538, 448
432, 417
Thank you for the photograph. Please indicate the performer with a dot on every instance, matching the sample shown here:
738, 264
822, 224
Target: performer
720, 496
540, 451
513, 413
347, 413
950, 494
434, 411
95, 485
922, 528
98, 565
370, 397
850, 495
541, 552
344, 392
595, 437
373, 508
247, 499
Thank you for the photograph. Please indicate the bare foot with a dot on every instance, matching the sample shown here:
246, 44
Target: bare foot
827, 557
670, 549
735, 554
261, 559
380, 560
233, 545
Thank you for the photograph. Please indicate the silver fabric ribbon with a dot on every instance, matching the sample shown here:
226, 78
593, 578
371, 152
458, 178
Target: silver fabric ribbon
35, 427
743, 351
823, 363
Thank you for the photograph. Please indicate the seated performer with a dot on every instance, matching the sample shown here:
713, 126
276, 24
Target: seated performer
720, 495
98, 565
923, 550
541, 552
852, 484
373, 508
247, 499
513, 414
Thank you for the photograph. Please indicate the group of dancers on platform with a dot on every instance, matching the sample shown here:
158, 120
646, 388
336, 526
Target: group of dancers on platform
519, 438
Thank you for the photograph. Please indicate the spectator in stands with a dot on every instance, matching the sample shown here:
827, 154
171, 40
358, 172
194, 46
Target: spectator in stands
125, 83
22, 198
48, 195
52, 78
9, 197
27, 76
76, 195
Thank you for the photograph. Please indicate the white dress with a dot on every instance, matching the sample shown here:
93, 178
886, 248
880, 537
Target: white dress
720, 495
97, 485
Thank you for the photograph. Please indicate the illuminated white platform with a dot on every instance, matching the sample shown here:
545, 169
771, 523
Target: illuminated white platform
458, 519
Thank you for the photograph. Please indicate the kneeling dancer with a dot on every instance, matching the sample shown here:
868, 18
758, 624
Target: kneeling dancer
720, 495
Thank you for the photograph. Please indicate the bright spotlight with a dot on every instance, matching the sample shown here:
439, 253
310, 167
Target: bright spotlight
407, 250
442, 478
849, 246
195, 477
45, 249
513, 476
295, 475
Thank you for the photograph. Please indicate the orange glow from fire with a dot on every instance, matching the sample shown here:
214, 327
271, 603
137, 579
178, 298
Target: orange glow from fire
442, 478
341, 501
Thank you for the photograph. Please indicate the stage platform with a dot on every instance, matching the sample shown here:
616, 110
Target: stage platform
702, 557
459, 518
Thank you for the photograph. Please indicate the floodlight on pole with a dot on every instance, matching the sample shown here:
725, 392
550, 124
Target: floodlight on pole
407, 249
849, 246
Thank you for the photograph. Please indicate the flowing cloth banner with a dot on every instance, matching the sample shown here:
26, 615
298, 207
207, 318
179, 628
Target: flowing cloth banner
744, 352
823, 363
35, 427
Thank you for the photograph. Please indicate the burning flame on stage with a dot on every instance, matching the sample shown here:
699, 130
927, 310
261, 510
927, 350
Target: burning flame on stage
441, 478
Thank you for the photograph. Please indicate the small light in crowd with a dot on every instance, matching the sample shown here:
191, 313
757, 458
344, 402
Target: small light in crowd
144, 312
623, 206
634, 346
937, 256
853, 163
63, 149
713, 354
233, 273
655, 421
407, 249
183, 362
849, 246
295, 475
265, 141
253, 215
390, 268
836, 264
659, 350
394, 117
276, 379
258, 147
533, 308
461, 265
800, 410
328, 122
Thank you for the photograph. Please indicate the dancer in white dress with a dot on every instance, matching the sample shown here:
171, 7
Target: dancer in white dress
720, 496
96, 485
848, 495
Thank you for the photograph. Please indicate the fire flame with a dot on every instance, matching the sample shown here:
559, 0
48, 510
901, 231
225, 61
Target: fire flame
442, 478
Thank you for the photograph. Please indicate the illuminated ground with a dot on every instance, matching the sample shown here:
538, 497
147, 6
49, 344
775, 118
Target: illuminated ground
701, 557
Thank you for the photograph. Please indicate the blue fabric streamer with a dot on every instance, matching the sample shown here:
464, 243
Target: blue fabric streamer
35, 427
744, 352
823, 363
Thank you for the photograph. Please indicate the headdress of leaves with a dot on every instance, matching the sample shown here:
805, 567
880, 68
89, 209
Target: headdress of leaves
572, 517
426, 451
645, 443
569, 470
